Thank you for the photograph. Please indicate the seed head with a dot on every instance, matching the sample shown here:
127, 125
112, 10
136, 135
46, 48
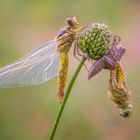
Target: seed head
95, 40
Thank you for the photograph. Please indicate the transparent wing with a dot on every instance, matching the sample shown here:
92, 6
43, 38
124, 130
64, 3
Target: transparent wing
34, 68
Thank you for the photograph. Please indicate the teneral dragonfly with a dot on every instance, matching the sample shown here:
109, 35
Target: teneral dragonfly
43, 64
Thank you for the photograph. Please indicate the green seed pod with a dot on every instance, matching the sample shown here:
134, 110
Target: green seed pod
95, 39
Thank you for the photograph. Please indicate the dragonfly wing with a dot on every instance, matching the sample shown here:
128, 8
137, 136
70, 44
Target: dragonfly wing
35, 68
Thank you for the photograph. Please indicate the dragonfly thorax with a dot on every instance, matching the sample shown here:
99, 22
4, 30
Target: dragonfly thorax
64, 40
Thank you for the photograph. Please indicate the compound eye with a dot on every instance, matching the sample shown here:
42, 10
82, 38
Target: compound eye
127, 111
69, 21
116, 40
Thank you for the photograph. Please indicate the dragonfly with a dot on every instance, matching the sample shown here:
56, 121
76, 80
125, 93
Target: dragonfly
44, 63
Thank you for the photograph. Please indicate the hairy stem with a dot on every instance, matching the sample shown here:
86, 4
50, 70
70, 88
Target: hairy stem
66, 98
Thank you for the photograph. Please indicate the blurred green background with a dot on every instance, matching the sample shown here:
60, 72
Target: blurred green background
28, 113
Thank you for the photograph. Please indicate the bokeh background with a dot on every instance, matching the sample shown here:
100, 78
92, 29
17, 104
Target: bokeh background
28, 113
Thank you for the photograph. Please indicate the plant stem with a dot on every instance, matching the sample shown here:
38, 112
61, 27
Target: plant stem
66, 98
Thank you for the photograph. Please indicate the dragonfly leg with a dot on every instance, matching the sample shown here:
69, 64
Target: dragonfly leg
77, 31
76, 51
109, 63
62, 47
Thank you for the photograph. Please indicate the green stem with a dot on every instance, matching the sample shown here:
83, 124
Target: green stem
66, 98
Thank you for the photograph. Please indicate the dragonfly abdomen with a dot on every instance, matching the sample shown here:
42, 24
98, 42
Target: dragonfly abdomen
119, 72
62, 77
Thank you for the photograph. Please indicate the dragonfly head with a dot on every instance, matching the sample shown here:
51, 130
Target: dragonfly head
72, 22
126, 112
